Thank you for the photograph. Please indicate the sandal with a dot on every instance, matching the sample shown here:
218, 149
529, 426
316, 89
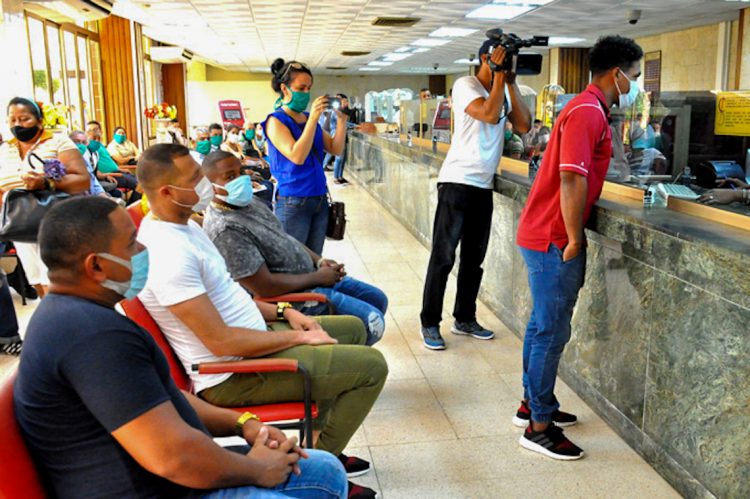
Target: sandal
13, 349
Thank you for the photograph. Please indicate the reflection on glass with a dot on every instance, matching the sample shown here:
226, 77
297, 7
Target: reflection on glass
55, 64
38, 60
71, 74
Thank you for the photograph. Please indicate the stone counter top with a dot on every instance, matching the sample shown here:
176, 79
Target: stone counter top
661, 343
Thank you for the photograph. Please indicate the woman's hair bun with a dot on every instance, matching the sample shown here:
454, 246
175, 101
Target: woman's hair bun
277, 65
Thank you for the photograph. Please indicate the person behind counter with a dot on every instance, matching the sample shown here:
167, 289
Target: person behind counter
481, 105
729, 191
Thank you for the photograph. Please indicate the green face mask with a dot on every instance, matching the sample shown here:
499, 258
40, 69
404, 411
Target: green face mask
299, 101
81, 148
249, 134
120, 138
203, 146
94, 145
508, 134
216, 140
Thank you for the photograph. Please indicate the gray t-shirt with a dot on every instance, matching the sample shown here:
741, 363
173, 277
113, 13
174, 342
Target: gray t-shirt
251, 236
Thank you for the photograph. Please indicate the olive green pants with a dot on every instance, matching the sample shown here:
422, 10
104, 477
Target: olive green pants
346, 380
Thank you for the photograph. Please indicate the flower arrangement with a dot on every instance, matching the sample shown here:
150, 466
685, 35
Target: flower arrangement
53, 115
161, 111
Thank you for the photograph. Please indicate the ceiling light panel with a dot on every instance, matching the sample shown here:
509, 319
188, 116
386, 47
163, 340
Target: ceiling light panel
430, 42
449, 32
369, 68
380, 63
499, 12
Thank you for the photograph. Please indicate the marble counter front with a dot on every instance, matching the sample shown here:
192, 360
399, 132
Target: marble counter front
661, 342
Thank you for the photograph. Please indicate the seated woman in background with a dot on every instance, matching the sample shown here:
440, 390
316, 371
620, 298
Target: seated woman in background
296, 146
232, 142
728, 191
20, 167
124, 152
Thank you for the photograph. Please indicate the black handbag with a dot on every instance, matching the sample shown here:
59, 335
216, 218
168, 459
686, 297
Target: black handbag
23, 211
336, 219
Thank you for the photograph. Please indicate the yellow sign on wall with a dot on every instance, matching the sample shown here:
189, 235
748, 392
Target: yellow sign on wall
732, 114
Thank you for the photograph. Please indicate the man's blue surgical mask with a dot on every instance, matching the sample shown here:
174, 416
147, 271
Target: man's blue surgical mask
628, 99
138, 267
239, 191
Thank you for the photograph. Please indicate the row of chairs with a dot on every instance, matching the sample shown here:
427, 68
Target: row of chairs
18, 476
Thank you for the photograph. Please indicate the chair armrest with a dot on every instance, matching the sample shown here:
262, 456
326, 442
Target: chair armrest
247, 366
294, 298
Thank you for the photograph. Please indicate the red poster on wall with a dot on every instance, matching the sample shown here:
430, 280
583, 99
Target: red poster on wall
231, 113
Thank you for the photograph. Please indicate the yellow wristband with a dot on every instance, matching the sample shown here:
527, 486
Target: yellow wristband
240, 424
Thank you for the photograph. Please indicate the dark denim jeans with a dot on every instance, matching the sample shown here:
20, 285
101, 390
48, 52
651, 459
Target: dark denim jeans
305, 219
554, 290
322, 477
357, 298
464, 214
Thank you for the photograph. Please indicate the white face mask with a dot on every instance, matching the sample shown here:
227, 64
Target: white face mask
628, 99
232, 138
205, 192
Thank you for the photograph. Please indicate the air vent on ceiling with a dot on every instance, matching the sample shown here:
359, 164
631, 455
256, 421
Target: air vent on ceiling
336, 68
354, 53
395, 22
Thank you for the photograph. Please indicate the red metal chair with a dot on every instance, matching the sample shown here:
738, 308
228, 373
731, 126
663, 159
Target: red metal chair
18, 476
300, 414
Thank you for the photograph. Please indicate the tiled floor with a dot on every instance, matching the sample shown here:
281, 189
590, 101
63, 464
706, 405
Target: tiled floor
441, 428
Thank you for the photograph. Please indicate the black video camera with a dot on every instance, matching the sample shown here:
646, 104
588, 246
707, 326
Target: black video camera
522, 64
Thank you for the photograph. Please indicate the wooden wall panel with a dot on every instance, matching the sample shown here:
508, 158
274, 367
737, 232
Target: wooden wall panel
573, 69
173, 83
117, 72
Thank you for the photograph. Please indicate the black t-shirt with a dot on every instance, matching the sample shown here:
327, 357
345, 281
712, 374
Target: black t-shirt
86, 371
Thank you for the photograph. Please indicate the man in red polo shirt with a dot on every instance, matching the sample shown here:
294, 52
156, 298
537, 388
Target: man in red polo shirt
550, 234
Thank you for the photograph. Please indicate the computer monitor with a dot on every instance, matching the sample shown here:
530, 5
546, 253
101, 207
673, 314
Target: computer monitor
747, 164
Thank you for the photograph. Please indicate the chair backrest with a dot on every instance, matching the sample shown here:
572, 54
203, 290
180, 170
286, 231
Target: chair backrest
18, 476
135, 310
135, 211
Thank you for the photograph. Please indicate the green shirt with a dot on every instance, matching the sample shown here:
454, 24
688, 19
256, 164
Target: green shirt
106, 164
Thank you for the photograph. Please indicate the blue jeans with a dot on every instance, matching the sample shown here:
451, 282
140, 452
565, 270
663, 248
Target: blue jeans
338, 164
352, 297
323, 477
305, 219
554, 290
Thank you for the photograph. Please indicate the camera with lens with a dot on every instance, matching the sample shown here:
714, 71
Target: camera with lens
515, 62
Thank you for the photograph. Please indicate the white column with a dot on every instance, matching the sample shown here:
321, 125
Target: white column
16, 79
722, 56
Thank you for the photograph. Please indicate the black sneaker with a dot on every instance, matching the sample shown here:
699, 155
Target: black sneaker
432, 339
523, 416
473, 329
354, 466
360, 492
343, 180
551, 443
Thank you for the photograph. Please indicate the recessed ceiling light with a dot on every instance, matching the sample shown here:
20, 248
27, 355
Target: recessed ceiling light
380, 63
564, 40
473, 62
369, 68
453, 32
499, 11
420, 50
260, 69
393, 57
430, 42
403, 49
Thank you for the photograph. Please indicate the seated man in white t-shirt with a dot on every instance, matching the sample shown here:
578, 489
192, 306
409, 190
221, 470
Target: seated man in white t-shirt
207, 316
481, 105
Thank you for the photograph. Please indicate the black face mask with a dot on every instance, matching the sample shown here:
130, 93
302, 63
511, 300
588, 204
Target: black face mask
24, 134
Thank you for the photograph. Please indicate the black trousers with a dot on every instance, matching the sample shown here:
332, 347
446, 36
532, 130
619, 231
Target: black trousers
8, 322
464, 214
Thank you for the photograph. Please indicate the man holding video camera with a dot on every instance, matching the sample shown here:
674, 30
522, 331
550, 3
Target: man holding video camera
481, 105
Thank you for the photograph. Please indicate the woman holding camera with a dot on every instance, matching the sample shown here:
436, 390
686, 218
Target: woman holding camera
296, 147
21, 168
